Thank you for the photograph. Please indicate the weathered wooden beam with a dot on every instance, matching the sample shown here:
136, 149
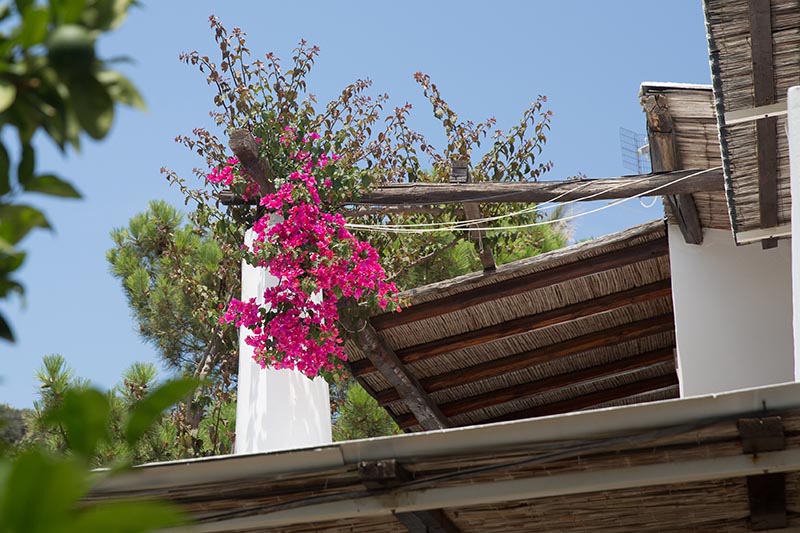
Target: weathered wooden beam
245, 148
580, 402
511, 363
521, 284
388, 473
472, 211
664, 157
412, 195
531, 322
543, 191
760, 435
766, 128
766, 493
551, 383
385, 361
685, 211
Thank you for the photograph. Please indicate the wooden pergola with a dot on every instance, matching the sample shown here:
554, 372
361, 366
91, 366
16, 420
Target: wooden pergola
586, 326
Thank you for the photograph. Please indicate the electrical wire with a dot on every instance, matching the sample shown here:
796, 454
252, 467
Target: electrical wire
462, 225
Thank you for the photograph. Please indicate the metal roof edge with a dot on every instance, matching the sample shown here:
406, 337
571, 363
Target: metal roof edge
600, 423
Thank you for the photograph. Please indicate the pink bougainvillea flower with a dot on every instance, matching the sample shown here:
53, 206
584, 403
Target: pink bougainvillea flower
311, 253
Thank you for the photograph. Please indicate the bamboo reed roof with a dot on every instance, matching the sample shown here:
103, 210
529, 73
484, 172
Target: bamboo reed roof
585, 326
696, 139
222, 494
754, 60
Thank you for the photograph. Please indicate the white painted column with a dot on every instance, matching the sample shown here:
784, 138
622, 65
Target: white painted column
733, 311
793, 133
276, 409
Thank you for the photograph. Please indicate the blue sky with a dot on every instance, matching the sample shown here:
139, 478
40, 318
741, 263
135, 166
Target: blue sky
488, 59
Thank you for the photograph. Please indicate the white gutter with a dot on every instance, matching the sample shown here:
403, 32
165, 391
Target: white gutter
759, 234
601, 423
497, 492
755, 113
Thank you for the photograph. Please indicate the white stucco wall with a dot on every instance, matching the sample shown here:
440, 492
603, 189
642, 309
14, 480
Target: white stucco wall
276, 409
794, 156
733, 313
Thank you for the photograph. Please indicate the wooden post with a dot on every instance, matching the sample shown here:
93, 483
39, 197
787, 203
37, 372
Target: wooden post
472, 211
665, 158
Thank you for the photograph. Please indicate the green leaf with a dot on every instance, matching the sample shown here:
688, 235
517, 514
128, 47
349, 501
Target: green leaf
148, 411
52, 185
5, 329
23, 5
8, 92
127, 517
93, 105
40, 493
26, 163
121, 89
5, 170
34, 26
67, 11
17, 220
84, 416
70, 49
106, 14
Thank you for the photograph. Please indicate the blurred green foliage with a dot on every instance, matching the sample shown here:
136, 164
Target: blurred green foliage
51, 82
41, 491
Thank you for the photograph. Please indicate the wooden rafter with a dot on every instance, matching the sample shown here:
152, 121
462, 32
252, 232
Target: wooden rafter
412, 195
576, 404
519, 361
577, 377
766, 128
535, 321
521, 284
385, 361
664, 157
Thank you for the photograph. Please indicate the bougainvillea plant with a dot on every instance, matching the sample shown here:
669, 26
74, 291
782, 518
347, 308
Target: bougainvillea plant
317, 262
320, 264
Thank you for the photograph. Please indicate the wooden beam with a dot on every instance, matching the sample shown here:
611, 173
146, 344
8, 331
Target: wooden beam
472, 211
551, 383
596, 398
414, 194
531, 322
685, 212
760, 435
766, 128
543, 191
510, 287
245, 148
664, 157
511, 363
580, 402
766, 493
385, 361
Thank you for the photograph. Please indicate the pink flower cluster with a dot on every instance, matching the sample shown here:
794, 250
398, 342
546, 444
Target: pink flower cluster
317, 262
223, 175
